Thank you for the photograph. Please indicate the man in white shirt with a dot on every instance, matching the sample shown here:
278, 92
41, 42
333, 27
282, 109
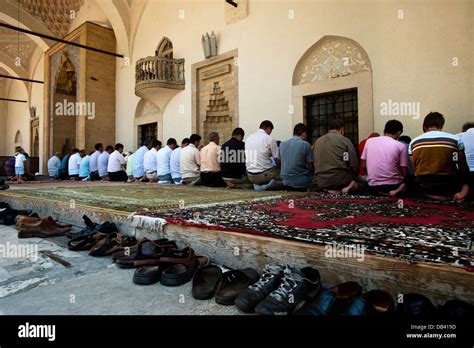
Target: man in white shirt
149, 161
53, 166
94, 161
163, 170
260, 149
116, 166
103, 162
174, 161
467, 137
20, 160
74, 162
190, 161
138, 169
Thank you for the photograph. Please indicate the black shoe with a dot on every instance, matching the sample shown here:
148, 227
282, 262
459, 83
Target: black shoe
380, 300
320, 305
416, 306
3, 186
255, 293
456, 309
148, 275
295, 287
359, 306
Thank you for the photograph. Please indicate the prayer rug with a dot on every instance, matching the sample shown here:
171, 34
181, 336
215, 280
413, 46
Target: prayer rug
412, 229
139, 197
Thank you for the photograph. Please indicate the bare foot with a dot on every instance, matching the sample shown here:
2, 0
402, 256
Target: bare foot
333, 192
349, 188
461, 196
400, 189
438, 198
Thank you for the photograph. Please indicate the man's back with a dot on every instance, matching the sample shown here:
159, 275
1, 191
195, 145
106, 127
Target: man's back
260, 148
296, 155
232, 159
434, 153
103, 162
384, 156
334, 157
189, 162
210, 158
163, 160
468, 141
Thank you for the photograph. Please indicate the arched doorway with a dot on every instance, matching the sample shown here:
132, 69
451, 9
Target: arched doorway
18, 139
148, 122
333, 79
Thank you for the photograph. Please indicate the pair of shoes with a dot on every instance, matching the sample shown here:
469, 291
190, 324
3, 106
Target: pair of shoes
114, 242
281, 290
43, 228
172, 267
145, 253
209, 281
416, 306
8, 214
92, 227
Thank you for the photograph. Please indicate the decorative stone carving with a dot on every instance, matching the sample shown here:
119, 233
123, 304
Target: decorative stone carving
218, 118
331, 57
57, 17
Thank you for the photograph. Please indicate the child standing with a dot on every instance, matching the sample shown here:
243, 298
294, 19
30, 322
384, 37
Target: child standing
20, 159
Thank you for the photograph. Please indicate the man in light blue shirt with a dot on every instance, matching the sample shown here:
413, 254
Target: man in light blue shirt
297, 160
174, 162
53, 166
163, 169
138, 157
84, 168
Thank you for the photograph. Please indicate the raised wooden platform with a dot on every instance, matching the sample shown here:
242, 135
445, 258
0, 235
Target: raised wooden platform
438, 282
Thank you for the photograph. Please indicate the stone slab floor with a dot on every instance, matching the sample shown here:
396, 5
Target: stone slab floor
37, 285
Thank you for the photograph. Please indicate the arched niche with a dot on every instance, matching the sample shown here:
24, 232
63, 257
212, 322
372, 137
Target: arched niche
18, 139
164, 49
334, 63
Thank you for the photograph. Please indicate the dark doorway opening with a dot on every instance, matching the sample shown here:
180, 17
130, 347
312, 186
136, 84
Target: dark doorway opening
321, 108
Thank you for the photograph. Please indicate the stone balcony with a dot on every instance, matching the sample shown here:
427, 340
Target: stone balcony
159, 79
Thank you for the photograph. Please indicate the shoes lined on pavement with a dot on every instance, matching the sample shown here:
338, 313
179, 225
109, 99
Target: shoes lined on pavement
295, 287
250, 297
320, 305
416, 306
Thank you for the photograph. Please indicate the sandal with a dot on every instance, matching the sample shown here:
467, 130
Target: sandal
112, 243
205, 282
129, 253
85, 242
147, 254
184, 264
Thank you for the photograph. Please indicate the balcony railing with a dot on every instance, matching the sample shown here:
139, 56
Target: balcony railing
159, 72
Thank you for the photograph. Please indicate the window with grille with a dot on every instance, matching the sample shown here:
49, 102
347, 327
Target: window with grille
321, 108
147, 131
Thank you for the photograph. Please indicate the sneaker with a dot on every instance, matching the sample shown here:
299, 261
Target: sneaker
295, 287
255, 293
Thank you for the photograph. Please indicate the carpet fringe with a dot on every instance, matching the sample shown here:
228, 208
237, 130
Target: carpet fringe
148, 223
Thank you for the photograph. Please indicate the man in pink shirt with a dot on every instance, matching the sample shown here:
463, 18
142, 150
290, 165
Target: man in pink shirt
385, 159
210, 166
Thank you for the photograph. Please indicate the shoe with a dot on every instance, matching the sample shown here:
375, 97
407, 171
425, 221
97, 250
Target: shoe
457, 309
129, 253
357, 307
183, 264
205, 282
92, 227
147, 253
233, 283
249, 298
148, 275
296, 286
345, 293
113, 243
380, 300
416, 306
34, 220
320, 305
44, 229
3, 186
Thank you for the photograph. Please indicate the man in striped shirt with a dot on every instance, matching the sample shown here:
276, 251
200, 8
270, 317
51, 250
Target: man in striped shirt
439, 161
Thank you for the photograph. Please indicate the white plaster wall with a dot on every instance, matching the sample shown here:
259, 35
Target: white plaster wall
411, 58
18, 116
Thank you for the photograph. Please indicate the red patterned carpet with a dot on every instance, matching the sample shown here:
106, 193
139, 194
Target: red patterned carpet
413, 229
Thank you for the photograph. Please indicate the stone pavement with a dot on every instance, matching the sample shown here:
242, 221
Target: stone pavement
36, 285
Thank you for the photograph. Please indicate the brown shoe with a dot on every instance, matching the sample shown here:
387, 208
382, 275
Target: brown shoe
47, 227
28, 220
